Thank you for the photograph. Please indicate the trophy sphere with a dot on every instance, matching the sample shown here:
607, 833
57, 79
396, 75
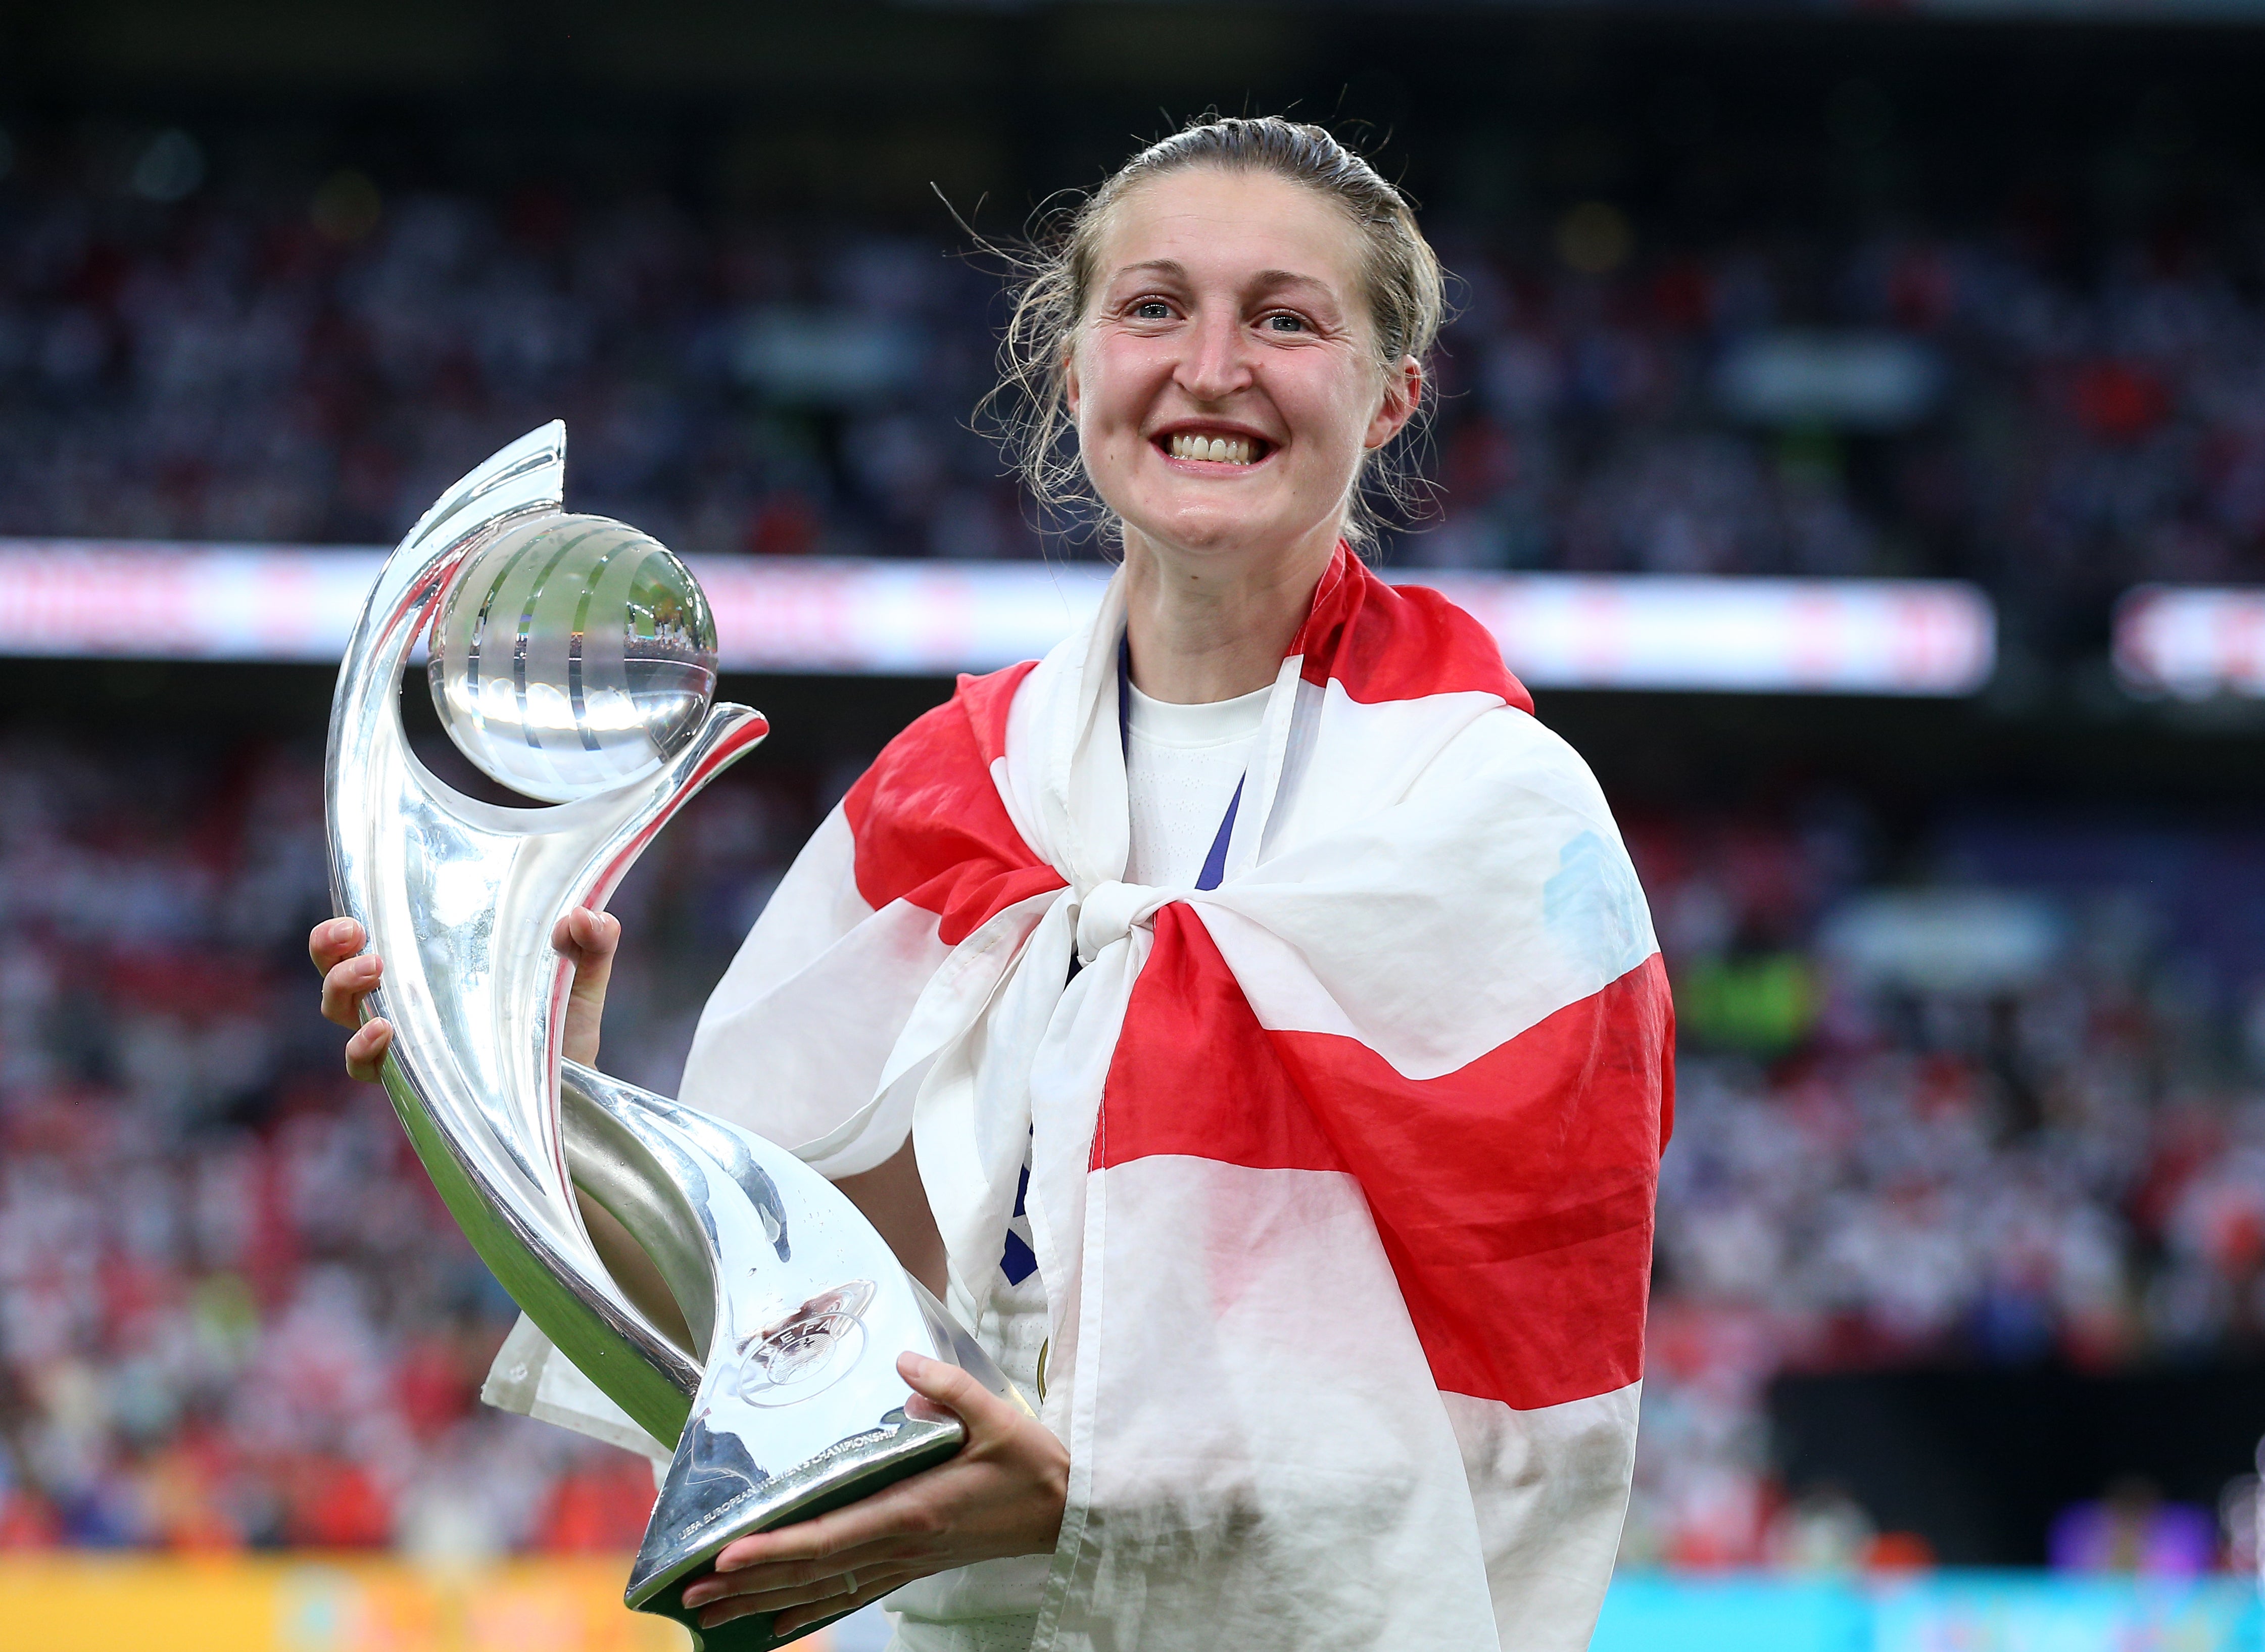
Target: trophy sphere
571, 655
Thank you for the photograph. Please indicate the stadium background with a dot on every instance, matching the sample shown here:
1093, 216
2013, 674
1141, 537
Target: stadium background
1961, 1257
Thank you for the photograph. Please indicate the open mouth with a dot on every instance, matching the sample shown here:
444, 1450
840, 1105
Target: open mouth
1230, 450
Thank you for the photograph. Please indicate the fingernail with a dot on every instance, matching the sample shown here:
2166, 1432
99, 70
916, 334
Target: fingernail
338, 929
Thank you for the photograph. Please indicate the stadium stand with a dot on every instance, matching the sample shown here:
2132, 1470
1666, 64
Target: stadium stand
250, 366
2000, 1112
1982, 1091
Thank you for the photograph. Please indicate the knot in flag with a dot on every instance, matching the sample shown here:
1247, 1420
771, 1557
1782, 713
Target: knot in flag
1109, 912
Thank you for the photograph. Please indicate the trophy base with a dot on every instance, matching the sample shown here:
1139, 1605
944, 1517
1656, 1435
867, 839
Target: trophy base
802, 1494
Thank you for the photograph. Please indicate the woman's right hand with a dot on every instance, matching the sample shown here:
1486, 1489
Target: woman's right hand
349, 974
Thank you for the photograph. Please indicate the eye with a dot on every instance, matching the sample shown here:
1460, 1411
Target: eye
1283, 321
1152, 309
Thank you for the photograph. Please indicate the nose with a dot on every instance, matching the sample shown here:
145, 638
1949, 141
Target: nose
1217, 360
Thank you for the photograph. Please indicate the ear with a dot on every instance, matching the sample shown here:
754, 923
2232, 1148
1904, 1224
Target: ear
1403, 394
1069, 378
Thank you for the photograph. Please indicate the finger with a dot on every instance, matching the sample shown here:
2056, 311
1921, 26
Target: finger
589, 935
331, 940
795, 1614
347, 985
833, 1587
795, 1619
948, 1386
767, 1577
592, 971
874, 1530
366, 1050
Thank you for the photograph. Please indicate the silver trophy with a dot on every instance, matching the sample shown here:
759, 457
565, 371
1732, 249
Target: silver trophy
572, 660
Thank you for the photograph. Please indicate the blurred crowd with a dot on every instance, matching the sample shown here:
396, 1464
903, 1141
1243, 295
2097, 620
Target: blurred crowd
2005, 1109
233, 1312
1977, 1099
197, 358
1998, 1095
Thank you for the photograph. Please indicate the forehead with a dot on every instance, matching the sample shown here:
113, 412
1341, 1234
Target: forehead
1227, 228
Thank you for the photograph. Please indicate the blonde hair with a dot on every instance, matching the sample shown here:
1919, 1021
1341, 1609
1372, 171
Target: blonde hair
1400, 278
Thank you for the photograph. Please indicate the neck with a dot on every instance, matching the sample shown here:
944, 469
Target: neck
1201, 629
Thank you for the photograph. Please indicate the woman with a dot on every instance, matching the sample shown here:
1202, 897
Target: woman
1247, 1016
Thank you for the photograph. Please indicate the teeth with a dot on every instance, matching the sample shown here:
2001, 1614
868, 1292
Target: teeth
1216, 449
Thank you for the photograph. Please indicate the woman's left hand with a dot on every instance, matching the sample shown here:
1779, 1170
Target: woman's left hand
1001, 1495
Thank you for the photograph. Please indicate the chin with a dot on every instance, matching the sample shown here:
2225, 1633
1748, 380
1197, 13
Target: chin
1212, 536
1207, 529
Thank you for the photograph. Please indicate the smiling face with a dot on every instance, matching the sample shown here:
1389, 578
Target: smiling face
1224, 377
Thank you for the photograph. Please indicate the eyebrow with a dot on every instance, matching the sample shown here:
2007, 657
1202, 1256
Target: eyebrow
1266, 279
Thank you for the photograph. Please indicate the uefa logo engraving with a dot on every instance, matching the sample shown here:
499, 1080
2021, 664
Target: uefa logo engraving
808, 1351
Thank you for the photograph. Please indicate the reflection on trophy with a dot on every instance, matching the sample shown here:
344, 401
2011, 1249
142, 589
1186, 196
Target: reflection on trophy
573, 659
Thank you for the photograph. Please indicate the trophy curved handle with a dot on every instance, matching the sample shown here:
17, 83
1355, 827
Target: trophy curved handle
459, 897
795, 1308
